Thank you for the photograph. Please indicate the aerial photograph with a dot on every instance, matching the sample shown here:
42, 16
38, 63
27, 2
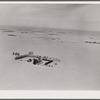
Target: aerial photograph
49, 46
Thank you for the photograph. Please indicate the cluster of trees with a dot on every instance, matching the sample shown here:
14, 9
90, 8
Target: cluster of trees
92, 42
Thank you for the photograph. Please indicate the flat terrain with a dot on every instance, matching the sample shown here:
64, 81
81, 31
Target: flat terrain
79, 68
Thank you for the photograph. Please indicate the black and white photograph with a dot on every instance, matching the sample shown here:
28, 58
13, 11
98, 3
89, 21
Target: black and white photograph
49, 46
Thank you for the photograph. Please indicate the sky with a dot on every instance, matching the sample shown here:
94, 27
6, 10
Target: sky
66, 16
